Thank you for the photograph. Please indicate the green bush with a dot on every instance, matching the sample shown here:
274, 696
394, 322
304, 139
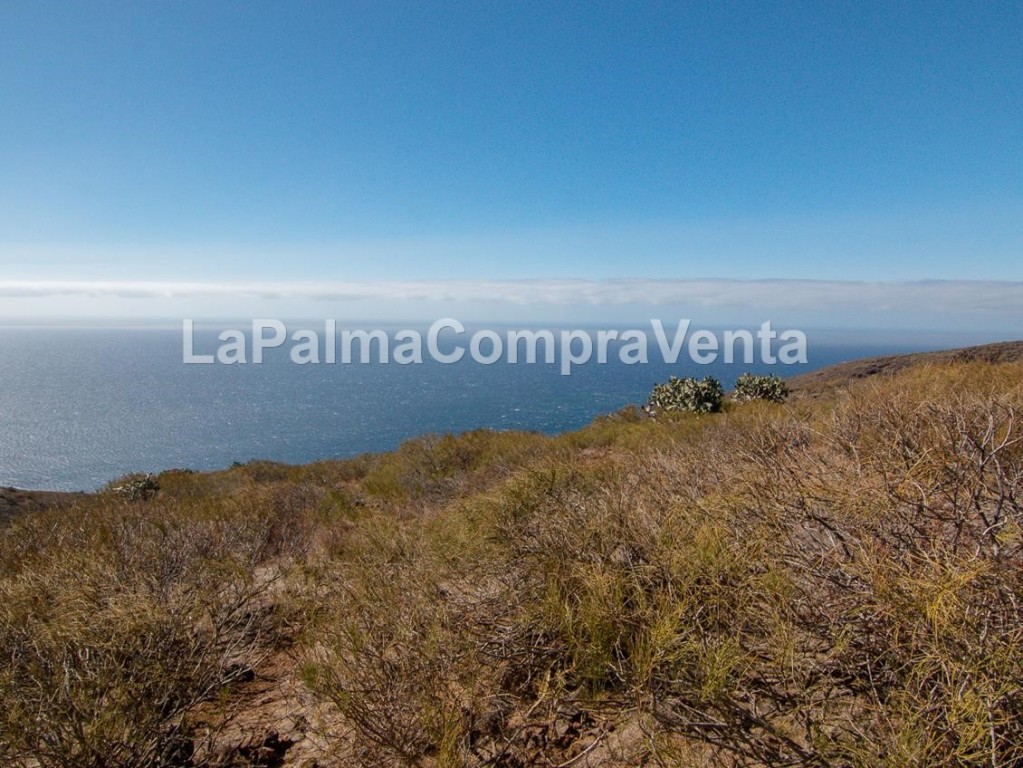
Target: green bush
752, 386
688, 395
137, 486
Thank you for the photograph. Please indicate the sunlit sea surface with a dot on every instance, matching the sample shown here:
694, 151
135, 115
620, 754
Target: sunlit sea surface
80, 407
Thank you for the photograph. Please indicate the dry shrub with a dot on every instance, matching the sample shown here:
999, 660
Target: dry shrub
893, 519
391, 657
824, 583
435, 467
815, 585
119, 617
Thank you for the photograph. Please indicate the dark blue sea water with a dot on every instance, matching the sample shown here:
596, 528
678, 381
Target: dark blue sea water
80, 407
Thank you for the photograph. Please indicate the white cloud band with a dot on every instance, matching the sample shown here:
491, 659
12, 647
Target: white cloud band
997, 297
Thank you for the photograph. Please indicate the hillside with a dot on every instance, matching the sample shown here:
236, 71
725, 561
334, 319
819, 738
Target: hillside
830, 582
826, 380
14, 501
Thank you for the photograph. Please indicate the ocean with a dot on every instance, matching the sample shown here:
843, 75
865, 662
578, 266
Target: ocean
80, 407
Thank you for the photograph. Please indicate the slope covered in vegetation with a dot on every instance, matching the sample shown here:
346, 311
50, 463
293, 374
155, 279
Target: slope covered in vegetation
834, 581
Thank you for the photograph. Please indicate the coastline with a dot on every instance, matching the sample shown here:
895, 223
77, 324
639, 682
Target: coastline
814, 384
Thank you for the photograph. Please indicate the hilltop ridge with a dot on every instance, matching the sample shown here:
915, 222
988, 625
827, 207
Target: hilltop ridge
824, 380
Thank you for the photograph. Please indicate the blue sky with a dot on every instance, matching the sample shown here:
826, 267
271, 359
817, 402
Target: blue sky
283, 143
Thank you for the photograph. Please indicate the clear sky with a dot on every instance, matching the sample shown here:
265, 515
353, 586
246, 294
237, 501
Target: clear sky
290, 142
